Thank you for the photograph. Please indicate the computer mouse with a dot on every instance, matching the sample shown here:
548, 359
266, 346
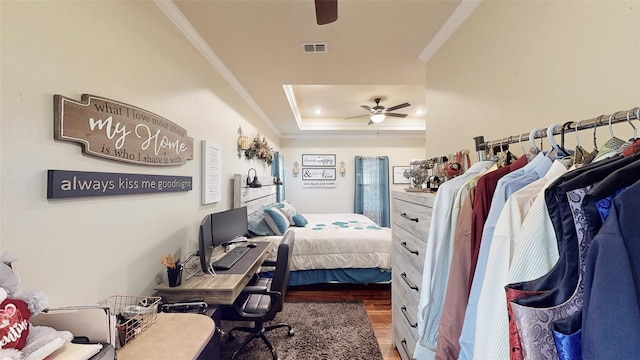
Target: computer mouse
251, 245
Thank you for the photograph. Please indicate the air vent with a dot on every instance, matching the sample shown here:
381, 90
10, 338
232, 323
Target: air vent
321, 47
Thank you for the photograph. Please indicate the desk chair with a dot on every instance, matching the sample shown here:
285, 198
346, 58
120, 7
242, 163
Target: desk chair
261, 301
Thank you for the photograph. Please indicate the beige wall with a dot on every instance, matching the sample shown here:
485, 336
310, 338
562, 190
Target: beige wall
516, 65
83, 250
340, 198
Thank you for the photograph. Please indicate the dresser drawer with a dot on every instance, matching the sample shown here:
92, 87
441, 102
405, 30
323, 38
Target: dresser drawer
404, 338
407, 280
411, 248
405, 312
414, 218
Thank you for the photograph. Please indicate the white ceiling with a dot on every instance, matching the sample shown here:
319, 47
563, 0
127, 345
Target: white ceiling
374, 50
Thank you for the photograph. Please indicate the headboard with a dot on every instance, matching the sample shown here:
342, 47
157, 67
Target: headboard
252, 198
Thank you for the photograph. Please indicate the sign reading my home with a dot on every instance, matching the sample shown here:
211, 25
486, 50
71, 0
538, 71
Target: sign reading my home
120, 132
67, 184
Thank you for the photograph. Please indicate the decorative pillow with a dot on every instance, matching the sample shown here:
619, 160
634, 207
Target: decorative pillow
258, 225
277, 221
290, 205
287, 209
299, 220
14, 317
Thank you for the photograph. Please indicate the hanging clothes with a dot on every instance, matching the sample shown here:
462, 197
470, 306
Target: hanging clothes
437, 263
611, 317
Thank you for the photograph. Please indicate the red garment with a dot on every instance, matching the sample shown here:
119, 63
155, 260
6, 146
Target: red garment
481, 205
632, 149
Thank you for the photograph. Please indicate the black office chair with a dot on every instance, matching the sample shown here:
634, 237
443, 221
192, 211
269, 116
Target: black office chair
261, 301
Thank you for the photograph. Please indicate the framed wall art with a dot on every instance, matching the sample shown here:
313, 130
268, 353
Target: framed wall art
318, 173
398, 175
325, 160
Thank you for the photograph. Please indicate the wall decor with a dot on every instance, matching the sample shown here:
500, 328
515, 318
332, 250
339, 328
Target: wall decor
398, 175
259, 149
318, 173
318, 160
319, 184
68, 184
117, 131
211, 172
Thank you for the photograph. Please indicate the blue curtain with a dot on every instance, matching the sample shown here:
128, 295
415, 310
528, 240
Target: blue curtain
372, 188
277, 171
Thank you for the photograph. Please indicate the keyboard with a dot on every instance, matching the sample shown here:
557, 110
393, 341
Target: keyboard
230, 258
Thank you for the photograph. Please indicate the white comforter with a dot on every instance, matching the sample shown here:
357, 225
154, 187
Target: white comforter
334, 241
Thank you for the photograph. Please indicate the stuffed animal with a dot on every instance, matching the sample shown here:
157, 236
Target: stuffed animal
19, 339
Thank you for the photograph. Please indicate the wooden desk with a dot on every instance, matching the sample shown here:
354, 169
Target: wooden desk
172, 336
221, 289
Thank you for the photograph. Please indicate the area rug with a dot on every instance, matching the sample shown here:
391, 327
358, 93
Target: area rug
324, 330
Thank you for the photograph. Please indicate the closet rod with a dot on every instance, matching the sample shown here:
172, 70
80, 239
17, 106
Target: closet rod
617, 117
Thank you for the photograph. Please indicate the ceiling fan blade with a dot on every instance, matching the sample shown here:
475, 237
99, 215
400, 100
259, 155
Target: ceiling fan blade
359, 116
398, 107
396, 115
326, 11
366, 107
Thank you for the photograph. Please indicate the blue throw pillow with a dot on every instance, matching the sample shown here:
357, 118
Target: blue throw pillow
277, 221
299, 220
258, 225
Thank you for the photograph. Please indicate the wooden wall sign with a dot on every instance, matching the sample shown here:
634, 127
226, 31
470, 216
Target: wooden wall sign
117, 131
73, 184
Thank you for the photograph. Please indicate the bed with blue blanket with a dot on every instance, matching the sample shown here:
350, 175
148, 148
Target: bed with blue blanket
329, 248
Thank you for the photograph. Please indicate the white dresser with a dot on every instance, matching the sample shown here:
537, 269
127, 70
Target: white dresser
411, 218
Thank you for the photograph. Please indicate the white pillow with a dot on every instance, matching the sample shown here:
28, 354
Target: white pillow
287, 209
277, 221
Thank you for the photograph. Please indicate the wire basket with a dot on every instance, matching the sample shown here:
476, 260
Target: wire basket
134, 314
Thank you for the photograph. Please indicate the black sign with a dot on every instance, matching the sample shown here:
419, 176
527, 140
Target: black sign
66, 184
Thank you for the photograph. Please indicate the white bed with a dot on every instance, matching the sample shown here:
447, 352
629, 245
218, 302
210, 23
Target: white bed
346, 248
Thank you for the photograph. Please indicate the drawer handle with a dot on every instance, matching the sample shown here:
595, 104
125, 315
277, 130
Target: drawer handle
404, 215
404, 277
405, 348
406, 315
404, 244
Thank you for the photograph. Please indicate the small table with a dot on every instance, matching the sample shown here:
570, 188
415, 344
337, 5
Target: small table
172, 336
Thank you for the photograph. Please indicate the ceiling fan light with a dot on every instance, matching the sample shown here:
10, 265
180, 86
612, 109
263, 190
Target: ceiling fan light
377, 118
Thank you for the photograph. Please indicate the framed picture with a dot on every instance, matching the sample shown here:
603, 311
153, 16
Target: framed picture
318, 160
318, 173
398, 177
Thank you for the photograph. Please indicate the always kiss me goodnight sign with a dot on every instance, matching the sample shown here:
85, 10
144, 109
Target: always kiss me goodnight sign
120, 132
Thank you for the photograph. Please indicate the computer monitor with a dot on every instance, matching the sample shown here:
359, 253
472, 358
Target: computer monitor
219, 229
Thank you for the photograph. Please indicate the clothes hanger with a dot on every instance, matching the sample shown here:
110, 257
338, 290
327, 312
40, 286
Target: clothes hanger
552, 142
635, 131
563, 128
532, 138
612, 145
521, 146
580, 155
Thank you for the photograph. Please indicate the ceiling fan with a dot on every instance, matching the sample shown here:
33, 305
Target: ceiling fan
378, 113
326, 11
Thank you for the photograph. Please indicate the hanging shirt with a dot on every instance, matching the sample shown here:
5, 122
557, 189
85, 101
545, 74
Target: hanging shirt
457, 293
495, 206
610, 315
437, 261
492, 307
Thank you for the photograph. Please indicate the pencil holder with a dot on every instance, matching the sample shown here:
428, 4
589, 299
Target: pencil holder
175, 276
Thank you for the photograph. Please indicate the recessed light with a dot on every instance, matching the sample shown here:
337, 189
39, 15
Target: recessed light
419, 112
318, 111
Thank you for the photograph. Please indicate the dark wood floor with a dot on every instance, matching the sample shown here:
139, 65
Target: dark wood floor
377, 299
